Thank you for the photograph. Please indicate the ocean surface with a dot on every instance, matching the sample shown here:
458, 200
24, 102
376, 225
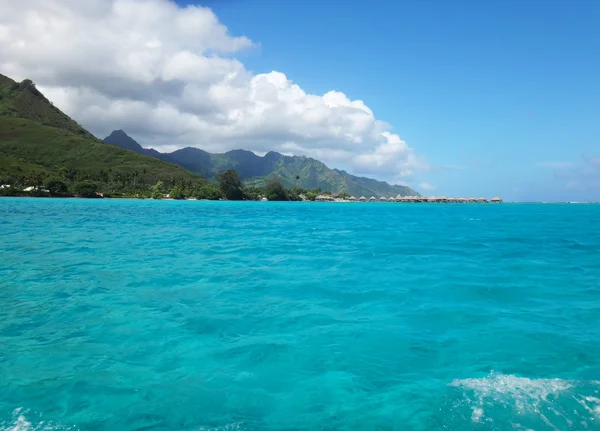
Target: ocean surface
222, 316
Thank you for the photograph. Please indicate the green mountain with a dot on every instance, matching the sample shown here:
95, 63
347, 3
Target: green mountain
38, 141
120, 139
257, 171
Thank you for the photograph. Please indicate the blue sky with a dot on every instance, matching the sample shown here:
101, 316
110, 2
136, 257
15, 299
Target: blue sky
500, 97
452, 97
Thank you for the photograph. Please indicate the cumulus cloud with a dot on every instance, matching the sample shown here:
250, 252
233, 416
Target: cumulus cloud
168, 75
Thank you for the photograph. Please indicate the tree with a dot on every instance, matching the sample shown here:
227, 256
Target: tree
208, 191
297, 179
56, 187
343, 195
294, 194
85, 189
275, 191
311, 195
159, 187
230, 185
252, 193
177, 193
36, 179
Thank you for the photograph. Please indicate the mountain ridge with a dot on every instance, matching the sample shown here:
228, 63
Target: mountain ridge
257, 170
39, 141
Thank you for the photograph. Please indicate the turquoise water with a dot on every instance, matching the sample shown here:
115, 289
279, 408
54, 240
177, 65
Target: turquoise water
146, 315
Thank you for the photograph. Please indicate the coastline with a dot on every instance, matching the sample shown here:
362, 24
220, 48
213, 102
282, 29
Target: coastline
339, 201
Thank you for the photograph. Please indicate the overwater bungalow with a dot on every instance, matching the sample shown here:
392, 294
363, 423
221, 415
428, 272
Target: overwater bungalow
411, 199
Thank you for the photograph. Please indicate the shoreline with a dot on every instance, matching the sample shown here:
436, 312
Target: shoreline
305, 201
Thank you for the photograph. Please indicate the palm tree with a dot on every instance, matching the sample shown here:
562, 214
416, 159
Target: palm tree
297, 179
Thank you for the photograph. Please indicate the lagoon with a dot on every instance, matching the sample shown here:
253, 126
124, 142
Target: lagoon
194, 315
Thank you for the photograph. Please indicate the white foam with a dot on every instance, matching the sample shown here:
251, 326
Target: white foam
592, 405
519, 388
477, 414
547, 400
22, 423
237, 426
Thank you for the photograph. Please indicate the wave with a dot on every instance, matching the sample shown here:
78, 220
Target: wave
531, 403
20, 422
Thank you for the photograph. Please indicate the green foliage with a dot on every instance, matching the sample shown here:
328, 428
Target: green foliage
38, 141
24, 100
56, 186
177, 193
208, 191
8, 191
157, 194
311, 195
275, 191
255, 171
253, 193
230, 185
343, 195
294, 194
159, 187
85, 189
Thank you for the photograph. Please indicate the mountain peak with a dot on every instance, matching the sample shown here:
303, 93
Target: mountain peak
273, 155
119, 132
24, 100
121, 139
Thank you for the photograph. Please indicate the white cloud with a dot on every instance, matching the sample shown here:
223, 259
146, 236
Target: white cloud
166, 74
426, 186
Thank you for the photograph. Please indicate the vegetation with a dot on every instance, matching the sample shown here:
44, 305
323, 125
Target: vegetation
275, 191
39, 143
41, 147
177, 193
311, 195
253, 193
208, 191
256, 171
230, 185
85, 189
24, 100
56, 187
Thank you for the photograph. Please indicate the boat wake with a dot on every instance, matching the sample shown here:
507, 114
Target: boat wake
553, 404
21, 422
